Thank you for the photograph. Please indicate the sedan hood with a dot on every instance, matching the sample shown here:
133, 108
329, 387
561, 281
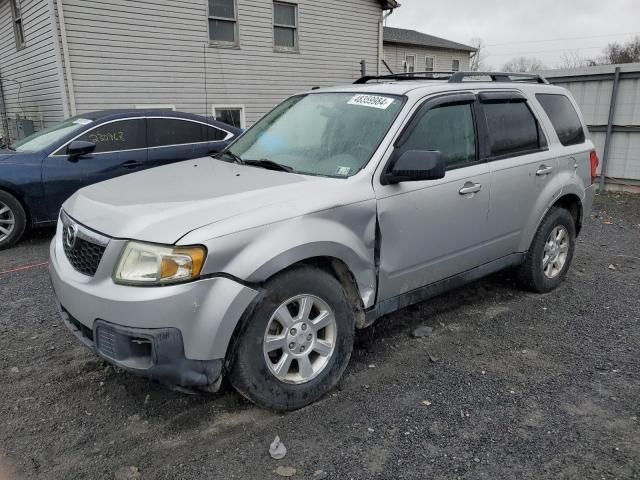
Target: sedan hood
6, 155
164, 204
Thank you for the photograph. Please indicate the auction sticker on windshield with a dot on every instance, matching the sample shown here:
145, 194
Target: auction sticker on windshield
373, 101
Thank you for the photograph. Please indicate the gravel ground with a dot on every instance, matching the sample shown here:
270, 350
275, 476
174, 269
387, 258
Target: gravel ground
510, 385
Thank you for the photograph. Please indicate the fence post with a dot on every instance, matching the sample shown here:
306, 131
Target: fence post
608, 138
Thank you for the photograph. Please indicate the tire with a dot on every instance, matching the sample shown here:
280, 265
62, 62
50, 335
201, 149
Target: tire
13, 220
539, 272
252, 370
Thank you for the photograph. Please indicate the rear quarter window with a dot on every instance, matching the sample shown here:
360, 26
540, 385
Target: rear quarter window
564, 118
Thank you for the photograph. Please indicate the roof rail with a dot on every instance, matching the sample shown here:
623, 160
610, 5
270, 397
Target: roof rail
458, 77
407, 76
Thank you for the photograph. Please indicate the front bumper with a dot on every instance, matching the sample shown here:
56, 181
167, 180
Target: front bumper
175, 334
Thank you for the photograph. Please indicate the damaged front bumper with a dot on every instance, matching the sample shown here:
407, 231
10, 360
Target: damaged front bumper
157, 354
177, 335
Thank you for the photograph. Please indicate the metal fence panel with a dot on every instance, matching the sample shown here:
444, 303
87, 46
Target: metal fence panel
592, 88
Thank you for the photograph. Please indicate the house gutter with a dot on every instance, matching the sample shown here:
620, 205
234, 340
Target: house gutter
56, 51
65, 55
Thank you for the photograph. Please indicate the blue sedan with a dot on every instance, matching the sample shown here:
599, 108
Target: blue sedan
39, 173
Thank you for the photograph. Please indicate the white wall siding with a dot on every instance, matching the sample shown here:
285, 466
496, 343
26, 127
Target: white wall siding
30, 78
395, 54
126, 53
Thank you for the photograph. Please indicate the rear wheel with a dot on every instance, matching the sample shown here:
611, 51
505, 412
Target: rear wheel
549, 257
297, 342
12, 220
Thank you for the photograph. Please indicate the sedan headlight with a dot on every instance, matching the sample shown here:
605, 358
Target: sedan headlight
149, 264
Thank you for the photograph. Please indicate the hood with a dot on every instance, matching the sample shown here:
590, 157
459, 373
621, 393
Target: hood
164, 204
6, 154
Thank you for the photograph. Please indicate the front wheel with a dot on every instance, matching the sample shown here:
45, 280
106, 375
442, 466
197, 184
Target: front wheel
297, 341
13, 220
549, 257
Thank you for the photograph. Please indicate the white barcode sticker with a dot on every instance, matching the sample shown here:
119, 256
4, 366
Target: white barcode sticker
373, 101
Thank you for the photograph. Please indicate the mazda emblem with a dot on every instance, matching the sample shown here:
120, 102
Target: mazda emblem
71, 232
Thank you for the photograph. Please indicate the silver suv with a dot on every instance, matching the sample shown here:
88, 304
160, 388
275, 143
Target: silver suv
339, 206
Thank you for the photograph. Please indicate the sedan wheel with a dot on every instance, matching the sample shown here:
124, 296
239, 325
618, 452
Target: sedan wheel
7, 221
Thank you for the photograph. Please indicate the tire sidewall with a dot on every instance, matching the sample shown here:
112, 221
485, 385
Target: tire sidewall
249, 372
556, 217
19, 216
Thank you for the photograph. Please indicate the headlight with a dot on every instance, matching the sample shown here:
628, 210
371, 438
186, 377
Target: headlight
149, 264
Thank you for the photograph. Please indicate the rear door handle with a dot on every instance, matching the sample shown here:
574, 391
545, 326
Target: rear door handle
131, 164
544, 170
470, 187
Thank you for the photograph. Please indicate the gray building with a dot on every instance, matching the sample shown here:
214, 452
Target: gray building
234, 59
411, 51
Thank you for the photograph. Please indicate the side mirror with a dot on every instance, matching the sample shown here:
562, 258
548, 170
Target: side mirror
417, 165
79, 148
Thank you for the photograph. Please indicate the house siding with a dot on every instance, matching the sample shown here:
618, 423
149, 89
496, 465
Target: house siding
125, 53
395, 54
30, 79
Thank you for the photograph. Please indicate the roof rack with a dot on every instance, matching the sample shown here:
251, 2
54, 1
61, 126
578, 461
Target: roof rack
458, 77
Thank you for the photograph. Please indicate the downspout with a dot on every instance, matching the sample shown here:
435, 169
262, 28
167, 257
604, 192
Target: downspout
3, 114
65, 54
383, 16
56, 51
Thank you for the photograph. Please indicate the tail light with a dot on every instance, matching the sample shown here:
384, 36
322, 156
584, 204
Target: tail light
595, 161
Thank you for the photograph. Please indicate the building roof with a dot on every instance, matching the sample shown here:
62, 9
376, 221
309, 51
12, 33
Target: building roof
411, 37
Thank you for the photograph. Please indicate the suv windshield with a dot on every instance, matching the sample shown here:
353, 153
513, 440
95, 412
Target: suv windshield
331, 134
48, 136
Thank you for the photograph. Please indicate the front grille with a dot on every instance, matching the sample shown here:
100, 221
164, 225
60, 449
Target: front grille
83, 251
85, 331
84, 256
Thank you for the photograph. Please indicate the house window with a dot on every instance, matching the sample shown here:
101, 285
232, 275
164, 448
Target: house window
18, 30
430, 63
223, 22
410, 64
285, 26
455, 65
230, 114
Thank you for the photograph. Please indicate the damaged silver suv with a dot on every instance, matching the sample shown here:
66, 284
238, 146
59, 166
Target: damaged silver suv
339, 206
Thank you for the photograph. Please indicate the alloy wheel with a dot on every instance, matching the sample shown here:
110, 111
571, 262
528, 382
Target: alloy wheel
300, 339
7, 221
556, 251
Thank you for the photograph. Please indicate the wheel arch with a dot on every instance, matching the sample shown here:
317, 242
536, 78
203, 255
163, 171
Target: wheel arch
334, 266
573, 204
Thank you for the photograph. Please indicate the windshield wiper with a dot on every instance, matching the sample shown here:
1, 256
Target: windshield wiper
269, 165
236, 158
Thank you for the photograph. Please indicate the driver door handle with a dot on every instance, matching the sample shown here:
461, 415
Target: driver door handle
544, 170
131, 164
470, 187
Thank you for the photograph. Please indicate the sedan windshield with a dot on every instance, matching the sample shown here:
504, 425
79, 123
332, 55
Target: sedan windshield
331, 134
49, 136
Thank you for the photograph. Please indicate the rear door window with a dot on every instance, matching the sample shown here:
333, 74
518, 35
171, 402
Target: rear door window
564, 118
117, 136
513, 129
163, 132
